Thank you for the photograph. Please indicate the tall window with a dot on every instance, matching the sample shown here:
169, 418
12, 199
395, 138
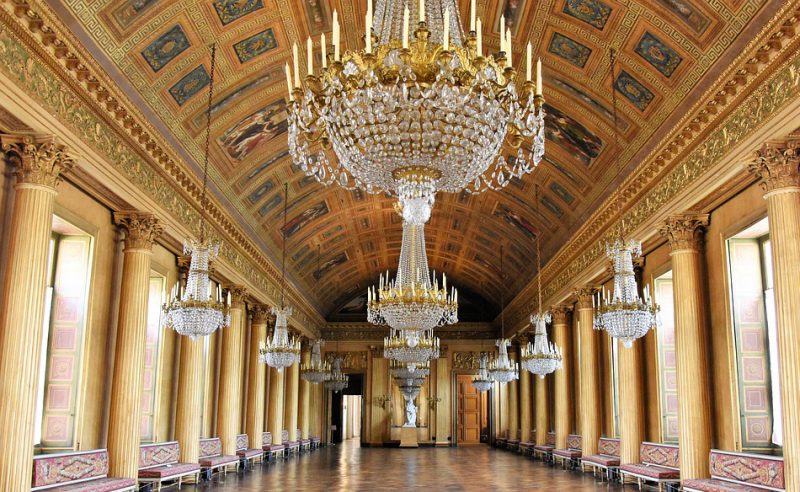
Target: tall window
62, 336
668, 376
753, 314
151, 356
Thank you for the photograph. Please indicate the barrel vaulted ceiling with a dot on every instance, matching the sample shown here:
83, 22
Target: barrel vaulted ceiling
158, 51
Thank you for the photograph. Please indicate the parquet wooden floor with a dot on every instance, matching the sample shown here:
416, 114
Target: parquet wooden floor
350, 468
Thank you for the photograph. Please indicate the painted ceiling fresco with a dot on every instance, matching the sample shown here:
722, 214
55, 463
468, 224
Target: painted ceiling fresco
160, 50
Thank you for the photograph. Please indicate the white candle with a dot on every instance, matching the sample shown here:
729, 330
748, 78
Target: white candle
479, 43
324, 51
508, 47
422, 10
446, 33
539, 77
296, 56
472, 15
335, 36
405, 27
289, 81
502, 33
528, 60
368, 37
369, 8
310, 55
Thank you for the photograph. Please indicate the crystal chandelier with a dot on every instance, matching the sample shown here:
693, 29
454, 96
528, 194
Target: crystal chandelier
424, 106
193, 311
401, 371
282, 351
624, 314
316, 371
541, 357
482, 382
502, 369
338, 380
413, 348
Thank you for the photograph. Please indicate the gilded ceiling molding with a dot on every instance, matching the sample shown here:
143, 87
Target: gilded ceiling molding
690, 150
44, 61
363, 331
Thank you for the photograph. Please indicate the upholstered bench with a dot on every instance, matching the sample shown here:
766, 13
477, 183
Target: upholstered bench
291, 446
512, 443
660, 464
158, 463
315, 442
246, 454
607, 458
526, 445
305, 444
85, 471
570, 456
211, 457
501, 441
273, 450
740, 472
545, 451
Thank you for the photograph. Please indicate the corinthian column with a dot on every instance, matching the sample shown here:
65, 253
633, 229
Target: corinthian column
542, 410
777, 165
631, 403
305, 399
229, 405
590, 373
525, 406
563, 376
276, 404
513, 401
141, 230
39, 163
290, 401
685, 235
254, 423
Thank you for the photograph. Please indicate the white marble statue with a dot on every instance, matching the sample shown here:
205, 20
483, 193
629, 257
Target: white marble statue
411, 413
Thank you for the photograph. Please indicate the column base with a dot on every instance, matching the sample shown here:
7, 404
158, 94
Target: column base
408, 437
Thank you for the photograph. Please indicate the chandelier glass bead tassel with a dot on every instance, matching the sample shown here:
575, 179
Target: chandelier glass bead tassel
541, 357
423, 102
502, 369
338, 380
316, 371
412, 348
482, 382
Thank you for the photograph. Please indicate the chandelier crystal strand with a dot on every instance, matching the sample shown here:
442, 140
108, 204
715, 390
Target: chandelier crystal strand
282, 351
338, 380
399, 370
624, 314
316, 371
425, 102
501, 369
541, 357
482, 382
195, 310
411, 348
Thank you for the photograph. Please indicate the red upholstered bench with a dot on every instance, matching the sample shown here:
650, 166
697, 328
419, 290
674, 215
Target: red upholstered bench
247, 454
607, 457
545, 451
740, 472
305, 444
526, 445
273, 450
158, 463
660, 464
291, 446
570, 456
501, 440
211, 457
513, 442
84, 471
315, 442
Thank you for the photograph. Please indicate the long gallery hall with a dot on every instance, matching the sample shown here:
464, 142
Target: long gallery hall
366, 245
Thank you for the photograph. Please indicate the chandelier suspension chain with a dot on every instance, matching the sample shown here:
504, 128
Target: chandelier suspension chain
538, 253
620, 203
283, 258
207, 142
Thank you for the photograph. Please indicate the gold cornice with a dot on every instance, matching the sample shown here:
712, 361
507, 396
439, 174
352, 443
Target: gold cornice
681, 156
39, 31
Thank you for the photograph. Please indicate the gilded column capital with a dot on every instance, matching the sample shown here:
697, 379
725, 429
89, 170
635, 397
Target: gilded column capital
238, 295
38, 159
777, 164
141, 228
260, 313
584, 296
685, 231
560, 313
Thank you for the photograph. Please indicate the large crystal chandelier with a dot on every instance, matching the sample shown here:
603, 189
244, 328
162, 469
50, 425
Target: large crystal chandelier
501, 369
411, 348
338, 380
624, 314
282, 351
541, 357
423, 105
193, 310
316, 371
401, 371
482, 382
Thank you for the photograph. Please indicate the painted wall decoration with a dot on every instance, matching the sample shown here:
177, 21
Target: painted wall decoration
593, 12
231, 10
688, 13
561, 192
259, 192
165, 48
255, 45
271, 204
569, 49
551, 206
318, 16
304, 218
516, 220
658, 54
589, 100
563, 170
262, 167
330, 264
639, 95
258, 128
512, 10
189, 85
575, 138
130, 10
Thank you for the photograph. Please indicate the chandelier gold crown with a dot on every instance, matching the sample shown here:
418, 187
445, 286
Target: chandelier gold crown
420, 103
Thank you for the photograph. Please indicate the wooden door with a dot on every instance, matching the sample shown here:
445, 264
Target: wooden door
469, 411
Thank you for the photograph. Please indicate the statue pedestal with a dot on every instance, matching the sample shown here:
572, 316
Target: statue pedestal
408, 437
